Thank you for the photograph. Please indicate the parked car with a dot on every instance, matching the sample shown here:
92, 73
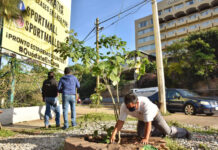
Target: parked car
87, 101
182, 100
144, 91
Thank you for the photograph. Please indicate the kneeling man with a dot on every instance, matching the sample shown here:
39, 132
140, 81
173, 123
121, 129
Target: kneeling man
150, 120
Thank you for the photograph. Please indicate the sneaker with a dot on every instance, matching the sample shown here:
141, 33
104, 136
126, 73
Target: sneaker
188, 135
65, 128
47, 126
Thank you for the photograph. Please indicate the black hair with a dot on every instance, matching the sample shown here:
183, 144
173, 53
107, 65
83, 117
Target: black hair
50, 75
67, 70
130, 98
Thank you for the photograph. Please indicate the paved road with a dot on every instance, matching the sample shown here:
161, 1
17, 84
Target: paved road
201, 120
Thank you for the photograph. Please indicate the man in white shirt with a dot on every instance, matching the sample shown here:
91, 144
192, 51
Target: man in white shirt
147, 114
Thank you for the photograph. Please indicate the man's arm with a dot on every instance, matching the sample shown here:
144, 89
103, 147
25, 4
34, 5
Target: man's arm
60, 86
117, 128
43, 91
147, 133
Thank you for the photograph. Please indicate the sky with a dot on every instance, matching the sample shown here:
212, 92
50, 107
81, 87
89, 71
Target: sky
85, 12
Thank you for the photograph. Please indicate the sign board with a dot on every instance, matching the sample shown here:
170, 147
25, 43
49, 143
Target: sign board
40, 32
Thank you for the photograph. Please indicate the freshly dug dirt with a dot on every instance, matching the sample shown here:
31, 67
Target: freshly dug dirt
131, 142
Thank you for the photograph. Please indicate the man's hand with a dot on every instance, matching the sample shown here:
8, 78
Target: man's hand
112, 139
144, 141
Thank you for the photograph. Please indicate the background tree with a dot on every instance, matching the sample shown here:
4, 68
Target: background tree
9, 9
192, 59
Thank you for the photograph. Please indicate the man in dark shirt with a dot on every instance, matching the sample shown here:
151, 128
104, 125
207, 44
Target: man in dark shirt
67, 86
49, 94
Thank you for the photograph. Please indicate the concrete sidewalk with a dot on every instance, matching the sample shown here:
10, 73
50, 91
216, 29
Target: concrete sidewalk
80, 110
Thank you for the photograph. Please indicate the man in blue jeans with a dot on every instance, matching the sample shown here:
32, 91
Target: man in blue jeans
49, 95
67, 86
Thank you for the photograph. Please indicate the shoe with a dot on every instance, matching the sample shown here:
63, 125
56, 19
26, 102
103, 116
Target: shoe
47, 126
57, 125
188, 135
65, 128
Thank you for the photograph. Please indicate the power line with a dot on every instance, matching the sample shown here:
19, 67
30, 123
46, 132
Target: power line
89, 33
122, 12
132, 7
124, 16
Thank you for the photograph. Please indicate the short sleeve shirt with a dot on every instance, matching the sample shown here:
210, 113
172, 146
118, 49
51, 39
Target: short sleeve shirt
146, 111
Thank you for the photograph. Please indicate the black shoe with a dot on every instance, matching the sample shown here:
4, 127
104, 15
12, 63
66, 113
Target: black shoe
57, 125
65, 128
189, 135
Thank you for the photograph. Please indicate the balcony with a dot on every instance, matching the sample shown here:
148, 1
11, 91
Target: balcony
191, 9
171, 24
206, 25
170, 35
180, 14
215, 11
181, 32
215, 22
182, 22
214, 3
163, 36
203, 4
192, 18
162, 27
193, 28
205, 14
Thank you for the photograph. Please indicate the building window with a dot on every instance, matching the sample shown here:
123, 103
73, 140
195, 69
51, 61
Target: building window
146, 31
179, 6
181, 20
206, 23
181, 30
216, 20
142, 24
147, 47
146, 39
193, 16
193, 26
190, 2
151, 21
159, 12
163, 44
171, 33
162, 25
167, 10
162, 35
204, 13
171, 42
216, 10
171, 23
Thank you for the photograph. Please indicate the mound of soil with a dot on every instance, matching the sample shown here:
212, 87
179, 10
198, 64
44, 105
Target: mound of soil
130, 142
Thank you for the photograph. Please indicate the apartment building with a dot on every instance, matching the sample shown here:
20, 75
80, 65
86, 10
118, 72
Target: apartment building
177, 19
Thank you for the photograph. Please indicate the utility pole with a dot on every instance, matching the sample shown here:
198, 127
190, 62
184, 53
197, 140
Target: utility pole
159, 59
97, 51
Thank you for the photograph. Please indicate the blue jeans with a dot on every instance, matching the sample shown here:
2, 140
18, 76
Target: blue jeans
69, 99
51, 102
161, 128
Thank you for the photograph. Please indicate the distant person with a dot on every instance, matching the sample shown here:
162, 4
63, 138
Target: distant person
67, 86
148, 116
49, 94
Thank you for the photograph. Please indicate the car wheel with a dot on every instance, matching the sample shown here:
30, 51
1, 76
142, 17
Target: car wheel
210, 114
189, 109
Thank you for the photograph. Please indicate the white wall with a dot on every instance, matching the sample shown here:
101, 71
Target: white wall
15, 115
